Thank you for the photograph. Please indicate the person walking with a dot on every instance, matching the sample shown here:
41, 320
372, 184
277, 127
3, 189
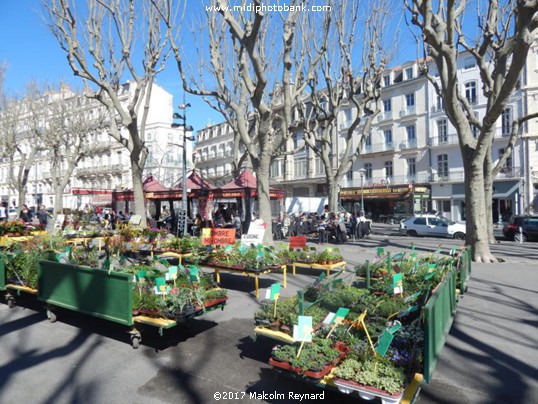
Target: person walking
43, 216
3, 211
322, 230
25, 214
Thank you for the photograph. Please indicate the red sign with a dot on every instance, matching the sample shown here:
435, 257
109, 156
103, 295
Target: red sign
218, 236
297, 242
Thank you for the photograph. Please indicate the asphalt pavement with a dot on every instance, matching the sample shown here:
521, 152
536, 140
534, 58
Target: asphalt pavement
491, 354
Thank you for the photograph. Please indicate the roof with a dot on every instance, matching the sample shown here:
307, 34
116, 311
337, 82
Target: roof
244, 180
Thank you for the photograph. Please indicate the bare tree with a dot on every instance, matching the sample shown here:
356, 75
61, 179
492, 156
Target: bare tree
341, 82
506, 34
72, 122
255, 66
102, 47
21, 127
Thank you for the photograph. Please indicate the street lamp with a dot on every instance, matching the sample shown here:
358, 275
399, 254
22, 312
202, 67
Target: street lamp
362, 172
185, 138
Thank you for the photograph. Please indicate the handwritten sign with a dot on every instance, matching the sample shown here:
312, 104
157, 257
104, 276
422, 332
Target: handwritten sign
297, 242
257, 227
218, 236
248, 239
303, 330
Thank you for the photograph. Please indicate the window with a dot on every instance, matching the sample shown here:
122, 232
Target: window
410, 100
506, 122
409, 73
475, 131
387, 105
299, 167
320, 167
368, 172
298, 140
277, 168
470, 92
442, 132
411, 136
170, 137
349, 175
469, 63
420, 220
388, 169
386, 81
411, 167
150, 136
368, 140
442, 166
440, 103
508, 163
388, 137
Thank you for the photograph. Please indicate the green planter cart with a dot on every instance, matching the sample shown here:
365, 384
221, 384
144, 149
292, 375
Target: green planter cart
103, 294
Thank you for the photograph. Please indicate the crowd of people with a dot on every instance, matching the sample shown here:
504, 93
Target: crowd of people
327, 227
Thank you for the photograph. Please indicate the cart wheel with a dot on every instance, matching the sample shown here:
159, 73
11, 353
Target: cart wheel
135, 340
52, 316
10, 302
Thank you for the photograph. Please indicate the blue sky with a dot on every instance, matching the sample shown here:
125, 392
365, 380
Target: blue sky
32, 53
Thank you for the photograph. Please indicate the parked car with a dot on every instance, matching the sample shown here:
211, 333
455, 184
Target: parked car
529, 227
432, 225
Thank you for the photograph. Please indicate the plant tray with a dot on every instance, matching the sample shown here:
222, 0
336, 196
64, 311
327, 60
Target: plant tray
367, 392
215, 303
310, 373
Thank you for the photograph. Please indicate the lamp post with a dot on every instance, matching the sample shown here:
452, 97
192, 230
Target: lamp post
362, 171
184, 162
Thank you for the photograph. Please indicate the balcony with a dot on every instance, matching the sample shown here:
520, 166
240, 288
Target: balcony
96, 170
452, 176
510, 172
419, 178
384, 116
437, 110
378, 148
408, 111
408, 144
444, 140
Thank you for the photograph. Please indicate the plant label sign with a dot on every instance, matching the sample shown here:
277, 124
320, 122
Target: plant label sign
194, 276
141, 276
340, 315
303, 330
335, 284
273, 293
160, 286
384, 343
380, 252
320, 278
397, 283
172, 273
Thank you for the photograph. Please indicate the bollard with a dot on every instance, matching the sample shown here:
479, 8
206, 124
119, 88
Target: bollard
520, 234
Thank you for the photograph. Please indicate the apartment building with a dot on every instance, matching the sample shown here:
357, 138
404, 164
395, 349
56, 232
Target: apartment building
106, 166
410, 161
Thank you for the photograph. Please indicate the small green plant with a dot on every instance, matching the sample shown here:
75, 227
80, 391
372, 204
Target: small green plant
376, 373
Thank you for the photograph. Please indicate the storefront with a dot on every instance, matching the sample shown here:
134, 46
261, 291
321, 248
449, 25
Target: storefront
387, 203
449, 200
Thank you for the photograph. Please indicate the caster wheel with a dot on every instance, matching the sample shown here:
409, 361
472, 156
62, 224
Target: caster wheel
135, 340
52, 317
10, 303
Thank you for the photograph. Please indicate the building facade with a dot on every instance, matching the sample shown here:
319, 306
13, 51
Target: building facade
105, 166
411, 160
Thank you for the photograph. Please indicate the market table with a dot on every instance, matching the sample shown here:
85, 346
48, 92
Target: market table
326, 267
248, 272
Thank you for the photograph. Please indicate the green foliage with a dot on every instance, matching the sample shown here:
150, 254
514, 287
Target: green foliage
380, 374
314, 356
347, 296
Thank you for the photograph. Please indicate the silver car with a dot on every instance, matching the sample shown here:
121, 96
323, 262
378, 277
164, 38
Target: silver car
432, 225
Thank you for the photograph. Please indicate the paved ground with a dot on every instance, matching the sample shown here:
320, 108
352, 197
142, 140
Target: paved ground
491, 354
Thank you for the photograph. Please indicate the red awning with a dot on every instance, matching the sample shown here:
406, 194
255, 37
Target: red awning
102, 200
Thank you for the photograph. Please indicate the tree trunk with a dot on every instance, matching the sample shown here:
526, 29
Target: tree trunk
21, 200
488, 195
475, 212
264, 197
58, 200
332, 188
138, 193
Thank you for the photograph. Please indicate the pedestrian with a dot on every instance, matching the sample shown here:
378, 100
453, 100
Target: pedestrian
3, 211
322, 230
43, 216
25, 214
